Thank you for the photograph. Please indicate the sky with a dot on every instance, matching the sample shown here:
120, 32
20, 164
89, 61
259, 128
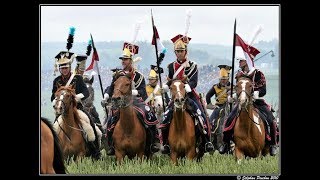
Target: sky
208, 24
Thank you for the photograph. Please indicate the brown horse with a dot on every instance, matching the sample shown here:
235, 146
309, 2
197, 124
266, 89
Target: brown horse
129, 137
182, 137
68, 125
51, 155
249, 130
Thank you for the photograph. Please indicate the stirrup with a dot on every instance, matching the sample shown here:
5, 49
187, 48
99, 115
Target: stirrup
166, 149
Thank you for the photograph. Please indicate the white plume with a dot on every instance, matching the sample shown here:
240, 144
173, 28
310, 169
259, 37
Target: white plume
188, 13
135, 61
257, 31
136, 30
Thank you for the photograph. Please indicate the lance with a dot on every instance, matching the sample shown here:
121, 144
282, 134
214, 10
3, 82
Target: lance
158, 59
233, 56
95, 53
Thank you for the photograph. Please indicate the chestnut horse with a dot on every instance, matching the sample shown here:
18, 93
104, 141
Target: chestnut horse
129, 136
51, 155
182, 136
249, 130
68, 126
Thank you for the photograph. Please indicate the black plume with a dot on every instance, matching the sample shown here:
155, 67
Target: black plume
70, 38
161, 56
89, 48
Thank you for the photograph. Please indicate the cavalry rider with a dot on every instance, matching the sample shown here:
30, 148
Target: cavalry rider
64, 61
139, 93
183, 68
220, 90
88, 80
152, 86
260, 90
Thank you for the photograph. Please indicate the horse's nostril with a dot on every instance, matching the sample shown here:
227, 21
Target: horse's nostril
182, 99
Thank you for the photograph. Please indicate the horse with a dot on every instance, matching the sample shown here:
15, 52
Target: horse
249, 129
182, 132
51, 155
129, 136
68, 125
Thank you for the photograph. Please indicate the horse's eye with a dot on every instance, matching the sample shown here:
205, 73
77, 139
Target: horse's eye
127, 84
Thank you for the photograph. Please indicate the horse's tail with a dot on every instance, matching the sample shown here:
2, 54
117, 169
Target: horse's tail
58, 162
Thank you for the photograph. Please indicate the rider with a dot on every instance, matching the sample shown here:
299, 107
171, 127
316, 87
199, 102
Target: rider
64, 60
220, 91
152, 84
183, 68
259, 82
138, 90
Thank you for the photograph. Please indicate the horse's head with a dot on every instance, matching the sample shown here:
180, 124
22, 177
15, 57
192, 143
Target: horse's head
64, 99
178, 93
244, 90
122, 90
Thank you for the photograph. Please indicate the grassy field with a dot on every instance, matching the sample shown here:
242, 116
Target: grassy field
211, 164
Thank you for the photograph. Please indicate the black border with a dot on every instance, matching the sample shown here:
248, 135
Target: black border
284, 75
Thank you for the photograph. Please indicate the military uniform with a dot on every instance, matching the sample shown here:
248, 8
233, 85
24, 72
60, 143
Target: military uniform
188, 71
259, 82
221, 92
140, 86
64, 59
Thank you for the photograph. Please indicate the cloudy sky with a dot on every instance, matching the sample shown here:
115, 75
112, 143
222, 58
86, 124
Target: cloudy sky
208, 24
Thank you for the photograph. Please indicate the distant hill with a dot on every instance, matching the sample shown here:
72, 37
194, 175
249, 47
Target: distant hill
203, 54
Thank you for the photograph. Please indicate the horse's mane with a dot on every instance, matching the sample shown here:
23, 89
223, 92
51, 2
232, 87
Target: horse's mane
58, 162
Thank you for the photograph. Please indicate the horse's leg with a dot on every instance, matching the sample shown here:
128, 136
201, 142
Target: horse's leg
191, 154
174, 158
239, 155
265, 150
119, 156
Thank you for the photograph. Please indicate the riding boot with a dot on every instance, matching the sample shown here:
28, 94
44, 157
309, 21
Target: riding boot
110, 143
165, 134
273, 143
155, 139
225, 147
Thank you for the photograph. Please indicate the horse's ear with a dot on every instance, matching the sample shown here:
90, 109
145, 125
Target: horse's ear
91, 80
58, 85
129, 74
73, 86
184, 79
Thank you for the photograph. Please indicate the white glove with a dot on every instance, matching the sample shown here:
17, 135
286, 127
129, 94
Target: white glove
134, 92
187, 88
210, 106
230, 99
256, 94
106, 96
104, 100
79, 97
165, 88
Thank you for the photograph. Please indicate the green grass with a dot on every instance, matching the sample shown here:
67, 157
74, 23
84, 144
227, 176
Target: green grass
214, 164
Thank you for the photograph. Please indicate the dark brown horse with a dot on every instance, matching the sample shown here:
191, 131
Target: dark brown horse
182, 137
249, 130
51, 156
129, 137
68, 125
